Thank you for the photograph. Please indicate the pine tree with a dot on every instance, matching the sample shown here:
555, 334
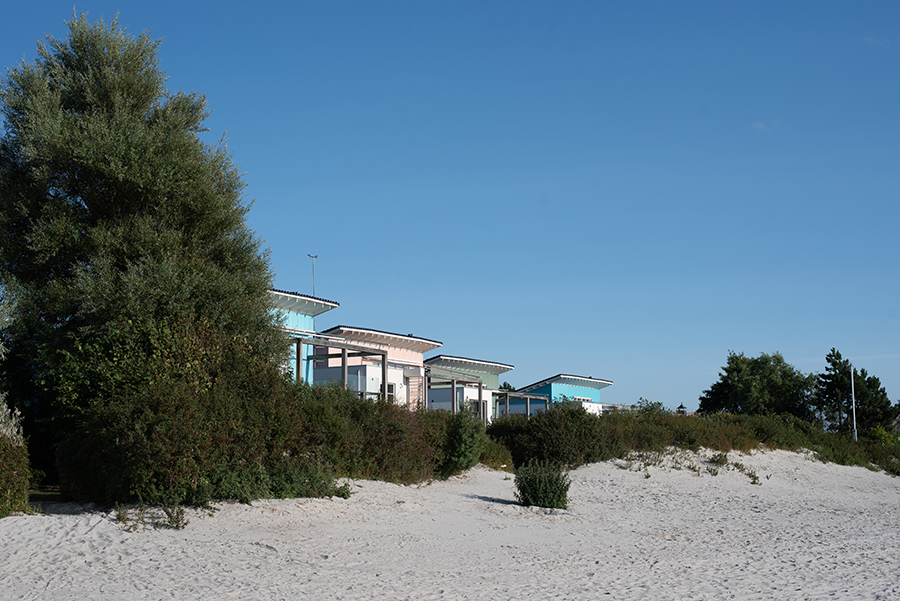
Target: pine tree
835, 397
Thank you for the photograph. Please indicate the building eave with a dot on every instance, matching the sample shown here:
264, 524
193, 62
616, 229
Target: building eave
300, 303
465, 363
583, 381
408, 341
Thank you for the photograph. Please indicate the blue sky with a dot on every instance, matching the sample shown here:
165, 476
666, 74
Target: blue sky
619, 190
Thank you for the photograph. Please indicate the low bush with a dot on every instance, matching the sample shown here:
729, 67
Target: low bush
542, 484
463, 442
14, 473
571, 437
496, 456
564, 434
195, 421
361, 438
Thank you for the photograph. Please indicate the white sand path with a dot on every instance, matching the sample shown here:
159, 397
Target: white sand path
807, 531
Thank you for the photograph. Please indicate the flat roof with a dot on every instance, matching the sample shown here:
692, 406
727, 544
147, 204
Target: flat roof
583, 381
490, 367
301, 303
407, 341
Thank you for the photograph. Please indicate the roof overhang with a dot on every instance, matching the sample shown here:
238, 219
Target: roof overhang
409, 342
466, 364
583, 381
300, 303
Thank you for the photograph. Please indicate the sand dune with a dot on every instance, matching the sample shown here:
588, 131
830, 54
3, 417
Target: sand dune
806, 531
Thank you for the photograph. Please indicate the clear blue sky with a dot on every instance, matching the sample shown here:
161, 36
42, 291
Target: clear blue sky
619, 190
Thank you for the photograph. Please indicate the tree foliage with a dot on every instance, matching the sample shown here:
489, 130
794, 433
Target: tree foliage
764, 385
112, 208
835, 397
768, 385
14, 472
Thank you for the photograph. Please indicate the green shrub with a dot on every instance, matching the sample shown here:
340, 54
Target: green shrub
14, 478
881, 436
542, 484
571, 437
511, 431
193, 421
464, 440
361, 438
14, 473
565, 434
496, 456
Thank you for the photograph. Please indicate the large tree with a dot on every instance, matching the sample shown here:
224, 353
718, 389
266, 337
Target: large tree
760, 385
114, 211
835, 397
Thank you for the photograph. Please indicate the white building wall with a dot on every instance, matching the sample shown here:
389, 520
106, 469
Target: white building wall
367, 379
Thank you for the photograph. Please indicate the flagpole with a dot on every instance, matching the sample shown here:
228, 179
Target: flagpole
853, 397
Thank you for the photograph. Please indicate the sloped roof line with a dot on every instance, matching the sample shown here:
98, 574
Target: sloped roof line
306, 296
586, 381
505, 367
399, 337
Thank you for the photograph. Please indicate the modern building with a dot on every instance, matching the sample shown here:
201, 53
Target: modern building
475, 383
366, 372
580, 389
298, 312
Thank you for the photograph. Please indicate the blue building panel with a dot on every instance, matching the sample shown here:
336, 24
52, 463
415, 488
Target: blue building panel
298, 313
570, 387
570, 392
555, 391
296, 321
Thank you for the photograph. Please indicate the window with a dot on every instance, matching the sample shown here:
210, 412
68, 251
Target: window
320, 350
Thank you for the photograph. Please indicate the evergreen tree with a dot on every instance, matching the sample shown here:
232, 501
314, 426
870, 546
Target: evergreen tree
834, 397
113, 210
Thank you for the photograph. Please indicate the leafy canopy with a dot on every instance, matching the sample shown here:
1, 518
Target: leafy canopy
761, 385
767, 385
112, 208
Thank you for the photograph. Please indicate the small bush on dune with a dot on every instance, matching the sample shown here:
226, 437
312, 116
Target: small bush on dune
542, 484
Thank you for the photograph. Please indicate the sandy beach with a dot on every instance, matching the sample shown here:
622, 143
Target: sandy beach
673, 531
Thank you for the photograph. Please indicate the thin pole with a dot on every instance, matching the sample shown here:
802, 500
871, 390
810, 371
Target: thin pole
314, 257
853, 397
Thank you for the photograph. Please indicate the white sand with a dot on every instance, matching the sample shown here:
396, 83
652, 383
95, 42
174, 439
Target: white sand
807, 531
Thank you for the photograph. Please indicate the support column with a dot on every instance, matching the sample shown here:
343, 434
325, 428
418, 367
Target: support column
299, 361
481, 407
384, 376
344, 366
527, 406
452, 396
